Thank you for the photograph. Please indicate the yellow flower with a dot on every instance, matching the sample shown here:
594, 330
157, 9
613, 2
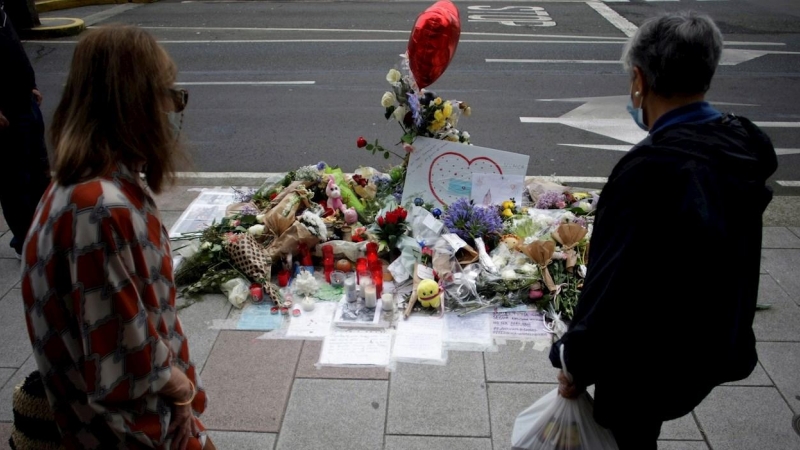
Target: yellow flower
508, 204
451, 138
448, 109
507, 213
438, 101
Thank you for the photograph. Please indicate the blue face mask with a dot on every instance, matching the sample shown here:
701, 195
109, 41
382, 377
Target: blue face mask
638, 115
175, 123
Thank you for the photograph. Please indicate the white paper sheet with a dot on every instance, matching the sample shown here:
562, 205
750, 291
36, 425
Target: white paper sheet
208, 207
314, 324
440, 172
472, 332
419, 339
519, 325
357, 347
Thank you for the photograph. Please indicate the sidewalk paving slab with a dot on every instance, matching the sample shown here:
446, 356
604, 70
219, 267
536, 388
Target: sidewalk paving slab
747, 418
682, 445
681, 429
436, 443
310, 355
506, 401
795, 230
248, 381
5, 375
5, 250
7, 393
518, 361
782, 321
759, 377
445, 400
233, 440
176, 198
13, 331
196, 320
9, 278
782, 265
781, 360
779, 237
335, 415
5, 433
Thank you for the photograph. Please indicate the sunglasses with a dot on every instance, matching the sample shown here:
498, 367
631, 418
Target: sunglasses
180, 97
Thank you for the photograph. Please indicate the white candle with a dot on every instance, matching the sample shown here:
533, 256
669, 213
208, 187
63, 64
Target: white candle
387, 301
370, 296
350, 289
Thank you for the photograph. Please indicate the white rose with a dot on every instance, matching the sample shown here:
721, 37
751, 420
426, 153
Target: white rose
585, 206
528, 269
467, 111
393, 76
256, 230
205, 245
387, 100
400, 113
508, 274
465, 135
260, 218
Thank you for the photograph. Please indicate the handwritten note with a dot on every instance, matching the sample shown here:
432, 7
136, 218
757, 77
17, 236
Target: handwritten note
362, 348
520, 325
312, 324
494, 189
440, 172
419, 339
472, 332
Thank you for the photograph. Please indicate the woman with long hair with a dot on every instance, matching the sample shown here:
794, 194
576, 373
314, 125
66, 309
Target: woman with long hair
98, 278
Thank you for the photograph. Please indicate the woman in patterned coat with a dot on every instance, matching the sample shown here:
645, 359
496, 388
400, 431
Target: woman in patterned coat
97, 275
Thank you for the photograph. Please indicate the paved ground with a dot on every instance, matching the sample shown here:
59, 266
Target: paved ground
269, 395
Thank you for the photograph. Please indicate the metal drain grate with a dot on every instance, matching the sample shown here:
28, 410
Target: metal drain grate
796, 423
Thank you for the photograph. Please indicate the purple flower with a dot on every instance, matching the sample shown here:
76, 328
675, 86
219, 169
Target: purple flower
322, 165
415, 107
549, 199
248, 210
469, 221
398, 192
243, 196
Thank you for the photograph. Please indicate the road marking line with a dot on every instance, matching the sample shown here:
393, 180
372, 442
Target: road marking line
206, 175
789, 183
243, 83
627, 147
778, 124
554, 61
109, 13
614, 18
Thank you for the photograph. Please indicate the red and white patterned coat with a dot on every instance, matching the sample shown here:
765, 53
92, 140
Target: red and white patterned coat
99, 297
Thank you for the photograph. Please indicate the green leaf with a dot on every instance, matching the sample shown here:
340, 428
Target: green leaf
241, 228
216, 248
370, 146
407, 138
386, 155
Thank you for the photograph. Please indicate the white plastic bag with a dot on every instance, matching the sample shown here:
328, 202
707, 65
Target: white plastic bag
557, 423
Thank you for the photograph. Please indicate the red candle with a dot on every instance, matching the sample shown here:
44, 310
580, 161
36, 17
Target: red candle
377, 280
372, 247
283, 278
361, 268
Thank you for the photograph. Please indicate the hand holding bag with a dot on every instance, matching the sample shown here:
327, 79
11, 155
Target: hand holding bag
558, 423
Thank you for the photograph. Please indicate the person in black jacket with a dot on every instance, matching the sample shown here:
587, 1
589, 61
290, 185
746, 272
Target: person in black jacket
667, 308
25, 172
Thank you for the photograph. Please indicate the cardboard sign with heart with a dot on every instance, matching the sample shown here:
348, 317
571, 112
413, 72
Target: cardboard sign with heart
440, 172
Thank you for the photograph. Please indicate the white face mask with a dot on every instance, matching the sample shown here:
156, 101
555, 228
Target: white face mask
175, 123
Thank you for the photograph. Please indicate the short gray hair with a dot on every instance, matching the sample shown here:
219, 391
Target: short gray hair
677, 53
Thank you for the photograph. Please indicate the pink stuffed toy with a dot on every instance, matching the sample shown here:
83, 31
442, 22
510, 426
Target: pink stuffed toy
334, 196
335, 202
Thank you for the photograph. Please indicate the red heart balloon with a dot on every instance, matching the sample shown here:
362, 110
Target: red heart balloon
433, 42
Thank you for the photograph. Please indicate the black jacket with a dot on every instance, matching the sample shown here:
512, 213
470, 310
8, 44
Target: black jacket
667, 307
17, 78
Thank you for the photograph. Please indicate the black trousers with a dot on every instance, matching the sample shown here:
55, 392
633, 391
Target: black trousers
638, 435
24, 171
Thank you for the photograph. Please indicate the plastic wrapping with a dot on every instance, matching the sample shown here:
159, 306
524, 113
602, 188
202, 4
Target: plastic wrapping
558, 423
237, 290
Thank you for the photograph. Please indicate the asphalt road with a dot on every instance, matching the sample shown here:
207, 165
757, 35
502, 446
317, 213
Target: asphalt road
346, 48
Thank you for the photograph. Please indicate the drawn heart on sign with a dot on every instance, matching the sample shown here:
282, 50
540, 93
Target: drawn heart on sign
450, 166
